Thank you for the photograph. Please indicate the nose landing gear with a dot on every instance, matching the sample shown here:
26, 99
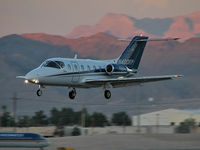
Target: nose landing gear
39, 91
72, 94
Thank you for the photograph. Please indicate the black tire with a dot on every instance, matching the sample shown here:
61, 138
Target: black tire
39, 92
107, 94
72, 94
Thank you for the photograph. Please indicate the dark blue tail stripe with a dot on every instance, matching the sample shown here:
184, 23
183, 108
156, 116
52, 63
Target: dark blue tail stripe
133, 53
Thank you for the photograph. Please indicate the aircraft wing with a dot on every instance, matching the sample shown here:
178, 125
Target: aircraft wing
121, 82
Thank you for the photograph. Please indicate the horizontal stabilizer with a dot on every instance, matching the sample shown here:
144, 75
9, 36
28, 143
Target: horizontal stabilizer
149, 40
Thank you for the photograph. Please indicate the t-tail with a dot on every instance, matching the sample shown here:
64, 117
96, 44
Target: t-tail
133, 53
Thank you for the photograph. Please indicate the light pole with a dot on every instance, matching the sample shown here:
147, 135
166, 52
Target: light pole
14, 98
138, 108
157, 122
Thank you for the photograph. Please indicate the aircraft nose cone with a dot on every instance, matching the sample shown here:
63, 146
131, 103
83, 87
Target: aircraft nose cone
32, 74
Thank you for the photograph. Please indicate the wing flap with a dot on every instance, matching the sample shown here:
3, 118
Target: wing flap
119, 82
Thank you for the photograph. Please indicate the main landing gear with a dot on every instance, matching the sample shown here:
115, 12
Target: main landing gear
107, 94
72, 93
39, 92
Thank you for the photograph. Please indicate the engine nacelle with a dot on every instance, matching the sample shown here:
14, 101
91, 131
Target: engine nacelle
116, 69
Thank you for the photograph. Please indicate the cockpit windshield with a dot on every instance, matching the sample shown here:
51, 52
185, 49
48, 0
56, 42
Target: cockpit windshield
53, 64
60, 63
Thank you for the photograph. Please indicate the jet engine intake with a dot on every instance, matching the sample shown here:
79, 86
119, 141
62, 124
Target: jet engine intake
116, 69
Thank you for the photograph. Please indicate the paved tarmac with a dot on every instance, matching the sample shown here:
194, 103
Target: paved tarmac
126, 142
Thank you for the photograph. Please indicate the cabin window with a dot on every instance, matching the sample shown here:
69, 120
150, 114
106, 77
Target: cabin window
75, 67
51, 64
69, 67
99, 68
88, 67
82, 68
94, 67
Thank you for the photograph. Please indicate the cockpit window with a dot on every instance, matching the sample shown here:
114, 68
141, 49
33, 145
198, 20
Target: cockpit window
54, 64
60, 63
51, 64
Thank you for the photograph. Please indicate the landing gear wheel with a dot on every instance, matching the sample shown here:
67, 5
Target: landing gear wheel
72, 94
39, 92
107, 94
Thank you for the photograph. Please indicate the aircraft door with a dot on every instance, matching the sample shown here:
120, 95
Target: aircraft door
76, 70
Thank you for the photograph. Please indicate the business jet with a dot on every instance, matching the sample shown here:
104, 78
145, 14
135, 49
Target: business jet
86, 73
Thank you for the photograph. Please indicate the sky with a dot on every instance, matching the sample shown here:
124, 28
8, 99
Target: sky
61, 16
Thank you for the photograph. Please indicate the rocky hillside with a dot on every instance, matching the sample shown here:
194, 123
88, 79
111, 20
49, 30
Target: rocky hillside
124, 26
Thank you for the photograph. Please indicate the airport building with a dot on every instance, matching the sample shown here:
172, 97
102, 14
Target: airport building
158, 122
168, 117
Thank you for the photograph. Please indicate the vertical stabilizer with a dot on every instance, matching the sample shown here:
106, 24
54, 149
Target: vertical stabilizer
133, 53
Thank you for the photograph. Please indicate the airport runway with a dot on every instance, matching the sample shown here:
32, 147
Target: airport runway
127, 142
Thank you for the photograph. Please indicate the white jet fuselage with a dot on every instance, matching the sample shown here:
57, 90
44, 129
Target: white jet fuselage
73, 73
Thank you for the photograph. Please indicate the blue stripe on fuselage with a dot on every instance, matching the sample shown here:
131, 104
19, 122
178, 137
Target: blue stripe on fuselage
82, 72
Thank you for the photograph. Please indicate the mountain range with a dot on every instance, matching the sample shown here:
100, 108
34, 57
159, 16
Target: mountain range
120, 25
